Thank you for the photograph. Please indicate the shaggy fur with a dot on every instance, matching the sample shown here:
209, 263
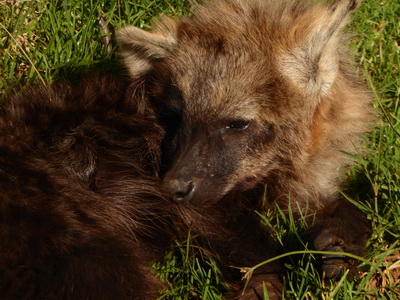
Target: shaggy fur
252, 102
81, 215
259, 101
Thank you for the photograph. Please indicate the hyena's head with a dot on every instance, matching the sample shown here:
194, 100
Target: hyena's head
236, 86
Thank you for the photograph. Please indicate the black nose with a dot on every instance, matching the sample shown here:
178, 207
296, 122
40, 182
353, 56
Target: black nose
180, 190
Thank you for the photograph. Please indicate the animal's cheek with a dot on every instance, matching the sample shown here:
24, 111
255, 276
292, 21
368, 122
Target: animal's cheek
255, 157
249, 171
219, 174
206, 168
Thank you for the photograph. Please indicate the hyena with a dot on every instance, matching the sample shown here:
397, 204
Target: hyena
260, 103
81, 212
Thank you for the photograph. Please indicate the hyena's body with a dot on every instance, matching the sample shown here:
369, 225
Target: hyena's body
257, 100
260, 102
81, 215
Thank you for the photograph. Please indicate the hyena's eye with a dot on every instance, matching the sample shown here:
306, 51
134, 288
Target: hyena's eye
238, 124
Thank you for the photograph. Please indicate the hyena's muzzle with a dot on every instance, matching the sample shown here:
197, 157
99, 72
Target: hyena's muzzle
200, 169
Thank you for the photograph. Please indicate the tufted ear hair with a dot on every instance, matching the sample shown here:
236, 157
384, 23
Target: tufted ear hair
141, 49
312, 61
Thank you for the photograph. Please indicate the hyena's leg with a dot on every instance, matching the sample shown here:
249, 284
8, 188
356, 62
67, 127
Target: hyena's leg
341, 227
249, 244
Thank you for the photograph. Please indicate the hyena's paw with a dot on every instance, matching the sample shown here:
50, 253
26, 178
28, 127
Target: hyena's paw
258, 285
333, 266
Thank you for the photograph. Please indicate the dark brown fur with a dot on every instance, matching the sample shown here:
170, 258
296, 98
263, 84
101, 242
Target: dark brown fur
81, 215
259, 100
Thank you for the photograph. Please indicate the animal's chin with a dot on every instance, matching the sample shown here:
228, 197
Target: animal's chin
223, 197
245, 185
201, 200
206, 196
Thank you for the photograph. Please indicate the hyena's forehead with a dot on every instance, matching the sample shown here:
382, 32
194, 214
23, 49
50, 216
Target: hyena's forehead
224, 83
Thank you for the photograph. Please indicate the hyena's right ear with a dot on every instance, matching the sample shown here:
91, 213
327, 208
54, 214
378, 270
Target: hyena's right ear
311, 49
141, 49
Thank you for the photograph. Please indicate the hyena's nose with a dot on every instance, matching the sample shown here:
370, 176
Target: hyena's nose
180, 190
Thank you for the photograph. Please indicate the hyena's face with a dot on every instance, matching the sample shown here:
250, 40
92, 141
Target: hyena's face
220, 122
236, 86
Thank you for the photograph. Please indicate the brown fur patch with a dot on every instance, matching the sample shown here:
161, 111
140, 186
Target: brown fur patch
81, 214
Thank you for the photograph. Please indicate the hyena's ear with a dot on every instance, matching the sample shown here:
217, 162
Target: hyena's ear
142, 49
312, 61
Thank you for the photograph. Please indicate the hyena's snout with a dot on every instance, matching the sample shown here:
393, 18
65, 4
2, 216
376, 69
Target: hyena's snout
180, 189
195, 175
201, 169
181, 179
196, 183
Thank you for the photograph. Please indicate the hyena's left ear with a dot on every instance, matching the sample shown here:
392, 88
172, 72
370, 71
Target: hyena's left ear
310, 53
141, 49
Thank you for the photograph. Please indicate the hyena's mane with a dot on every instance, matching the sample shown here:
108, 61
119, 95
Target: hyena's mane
81, 213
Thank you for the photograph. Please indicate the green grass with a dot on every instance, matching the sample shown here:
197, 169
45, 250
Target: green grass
189, 273
51, 39
48, 40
